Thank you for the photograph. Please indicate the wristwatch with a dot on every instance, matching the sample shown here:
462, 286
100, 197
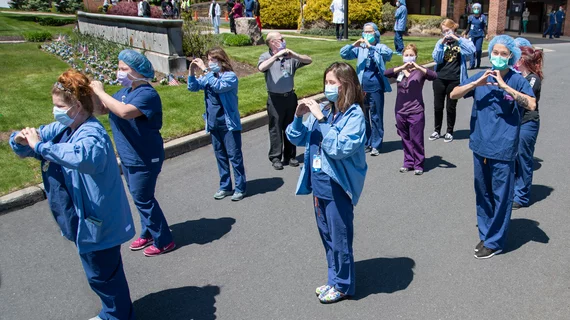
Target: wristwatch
205, 70
323, 119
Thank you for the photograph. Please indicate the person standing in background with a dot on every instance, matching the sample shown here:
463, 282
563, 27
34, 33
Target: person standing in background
560, 15
214, 14
476, 30
248, 8
257, 13
230, 5
525, 16
337, 9
400, 26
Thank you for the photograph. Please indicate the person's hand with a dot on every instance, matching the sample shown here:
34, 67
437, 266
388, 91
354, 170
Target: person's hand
358, 42
368, 45
496, 74
315, 108
199, 63
97, 86
415, 65
32, 137
302, 108
409, 66
20, 138
482, 81
282, 53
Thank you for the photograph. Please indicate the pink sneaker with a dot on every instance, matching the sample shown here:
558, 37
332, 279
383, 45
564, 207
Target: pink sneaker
154, 251
141, 243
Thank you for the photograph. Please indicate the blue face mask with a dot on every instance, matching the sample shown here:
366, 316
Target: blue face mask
499, 63
476, 11
331, 92
214, 66
61, 116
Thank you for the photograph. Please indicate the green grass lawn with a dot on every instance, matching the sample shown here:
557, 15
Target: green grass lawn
17, 25
29, 73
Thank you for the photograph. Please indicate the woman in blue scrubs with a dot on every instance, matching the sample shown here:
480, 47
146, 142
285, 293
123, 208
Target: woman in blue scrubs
334, 170
500, 96
220, 85
84, 189
476, 30
371, 58
135, 114
530, 66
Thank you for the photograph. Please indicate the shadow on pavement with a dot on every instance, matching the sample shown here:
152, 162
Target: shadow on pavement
437, 162
389, 146
522, 231
178, 304
383, 275
537, 164
264, 185
461, 134
539, 192
201, 231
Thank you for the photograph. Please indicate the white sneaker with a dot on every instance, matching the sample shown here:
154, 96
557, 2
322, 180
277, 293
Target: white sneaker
96, 318
448, 137
434, 136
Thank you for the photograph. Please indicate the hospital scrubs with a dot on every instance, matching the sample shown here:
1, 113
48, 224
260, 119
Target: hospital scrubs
477, 35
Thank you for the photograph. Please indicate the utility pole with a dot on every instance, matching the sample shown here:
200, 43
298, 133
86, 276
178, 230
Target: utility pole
345, 19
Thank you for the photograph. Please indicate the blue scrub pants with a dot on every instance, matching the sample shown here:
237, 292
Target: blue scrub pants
374, 102
249, 14
478, 42
399, 41
558, 30
550, 31
142, 183
227, 148
525, 162
335, 223
494, 189
216, 24
105, 274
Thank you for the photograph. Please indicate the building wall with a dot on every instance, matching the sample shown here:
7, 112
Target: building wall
497, 17
92, 5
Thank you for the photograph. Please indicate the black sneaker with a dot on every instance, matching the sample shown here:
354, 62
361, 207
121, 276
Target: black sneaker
294, 163
479, 246
367, 149
516, 205
486, 253
277, 165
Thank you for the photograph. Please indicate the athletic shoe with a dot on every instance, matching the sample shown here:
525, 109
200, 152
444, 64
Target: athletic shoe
516, 205
222, 194
238, 196
479, 246
96, 318
141, 243
277, 165
399, 53
332, 296
404, 170
434, 136
486, 253
367, 149
448, 137
154, 251
374, 152
322, 290
294, 163
418, 172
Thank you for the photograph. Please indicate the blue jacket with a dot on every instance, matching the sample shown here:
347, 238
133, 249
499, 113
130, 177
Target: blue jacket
343, 150
93, 180
401, 17
467, 49
382, 54
227, 88
552, 18
559, 17
248, 5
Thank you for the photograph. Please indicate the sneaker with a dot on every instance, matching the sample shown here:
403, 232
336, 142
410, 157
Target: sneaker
418, 172
479, 246
374, 152
516, 205
154, 251
322, 290
238, 196
277, 165
404, 170
448, 137
222, 194
294, 163
398, 53
486, 253
434, 136
96, 318
141, 243
367, 149
332, 296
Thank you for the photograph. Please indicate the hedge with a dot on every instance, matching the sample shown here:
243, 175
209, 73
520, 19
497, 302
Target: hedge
235, 40
279, 13
37, 36
317, 13
330, 32
424, 21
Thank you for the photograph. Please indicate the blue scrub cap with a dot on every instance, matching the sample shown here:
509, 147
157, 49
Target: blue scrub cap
402, 2
138, 62
476, 5
376, 32
522, 42
508, 42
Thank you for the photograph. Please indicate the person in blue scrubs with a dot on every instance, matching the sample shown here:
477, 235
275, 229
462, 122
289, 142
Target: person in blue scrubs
530, 66
334, 170
220, 85
560, 16
135, 114
476, 30
500, 96
84, 189
401, 16
371, 58
551, 24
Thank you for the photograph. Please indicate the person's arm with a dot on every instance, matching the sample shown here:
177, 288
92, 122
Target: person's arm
298, 132
384, 51
350, 51
265, 63
340, 143
475, 81
393, 72
438, 52
227, 82
124, 111
468, 28
524, 96
303, 58
467, 47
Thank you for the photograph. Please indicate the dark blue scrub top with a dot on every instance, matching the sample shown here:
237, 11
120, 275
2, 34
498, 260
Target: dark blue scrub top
371, 79
496, 118
477, 26
138, 141
216, 118
321, 183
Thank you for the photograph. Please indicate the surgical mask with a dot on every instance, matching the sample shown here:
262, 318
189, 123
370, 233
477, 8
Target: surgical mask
397, 4
331, 93
476, 11
61, 116
123, 78
409, 59
282, 46
215, 67
499, 63
369, 37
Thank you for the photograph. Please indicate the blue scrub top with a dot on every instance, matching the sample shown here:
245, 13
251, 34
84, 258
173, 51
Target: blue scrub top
371, 79
496, 118
478, 25
138, 141
216, 118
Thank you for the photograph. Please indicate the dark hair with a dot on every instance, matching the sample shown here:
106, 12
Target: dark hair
220, 55
73, 86
532, 60
350, 91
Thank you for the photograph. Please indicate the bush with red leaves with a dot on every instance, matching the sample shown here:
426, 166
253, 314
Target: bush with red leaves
125, 8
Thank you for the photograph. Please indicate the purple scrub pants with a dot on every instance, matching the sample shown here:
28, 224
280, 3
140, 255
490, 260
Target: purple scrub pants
411, 130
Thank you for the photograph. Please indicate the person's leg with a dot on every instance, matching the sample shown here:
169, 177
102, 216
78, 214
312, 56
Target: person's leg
483, 194
377, 119
417, 124
258, 21
232, 142
524, 26
551, 30
337, 31
479, 50
222, 159
289, 107
403, 129
451, 106
217, 25
439, 94
142, 184
525, 162
400, 41
503, 182
106, 277
275, 112
324, 232
366, 110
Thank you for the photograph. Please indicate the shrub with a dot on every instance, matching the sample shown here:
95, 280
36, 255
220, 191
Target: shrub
68, 6
388, 17
37, 36
424, 22
197, 39
317, 13
125, 8
53, 21
234, 40
17, 4
36, 5
279, 13
330, 32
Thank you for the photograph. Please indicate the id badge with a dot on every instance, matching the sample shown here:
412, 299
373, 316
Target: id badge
317, 163
400, 77
285, 73
368, 62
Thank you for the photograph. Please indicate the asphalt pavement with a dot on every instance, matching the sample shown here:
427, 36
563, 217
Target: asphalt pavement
262, 258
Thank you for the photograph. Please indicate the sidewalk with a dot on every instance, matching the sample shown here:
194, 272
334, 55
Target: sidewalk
39, 13
285, 34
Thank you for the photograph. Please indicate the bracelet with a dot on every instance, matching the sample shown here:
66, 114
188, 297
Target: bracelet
205, 70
